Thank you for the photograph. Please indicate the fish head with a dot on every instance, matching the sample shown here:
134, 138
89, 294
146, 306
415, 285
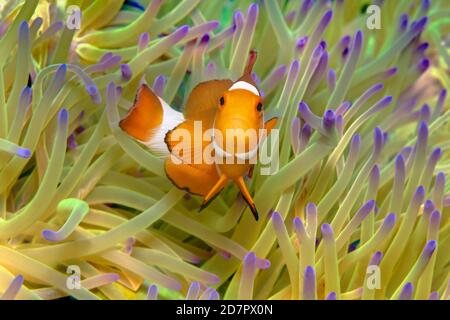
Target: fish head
239, 119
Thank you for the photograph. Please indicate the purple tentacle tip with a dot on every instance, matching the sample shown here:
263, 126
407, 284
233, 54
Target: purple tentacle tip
377, 87
276, 218
331, 78
422, 131
385, 101
429, 248
428, 207
23, 29
419, 194
180, 33
345, 41
298, 224
213, 24
356, 141
390, 72
403, 22
303, 108
399, 163
126, 72
23, 152
329, 119
92, 90
301, 42
366, 208
376, 258
71, 142
205, 39
358, 40
436, 155
331, 296
106, 57
345, 52
295, 66
144, 39
306, 131
378, 140
407, 292
61, 72
250, 258
263, 264
418, 26
435, 218
434, 296
152, 292
309, 283
311, 209
49, 235
422, 47
252, 11
389, 221
423, 65
326, 19
327, 231
425, 5
214, 295
26, 94
63, 116
425, 112
317, 53
310, 272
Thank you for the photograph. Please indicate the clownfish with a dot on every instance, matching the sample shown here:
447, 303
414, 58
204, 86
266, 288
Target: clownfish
221, 106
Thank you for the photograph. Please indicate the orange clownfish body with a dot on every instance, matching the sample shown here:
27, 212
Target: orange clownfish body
230, 118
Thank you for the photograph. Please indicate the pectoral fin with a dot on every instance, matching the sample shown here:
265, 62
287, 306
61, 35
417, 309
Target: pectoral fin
270, 124
186, 166
194, 178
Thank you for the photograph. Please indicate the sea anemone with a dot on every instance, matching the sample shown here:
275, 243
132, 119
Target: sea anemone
357, 202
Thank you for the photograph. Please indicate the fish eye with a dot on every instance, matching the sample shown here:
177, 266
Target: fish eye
222, 101
259, 107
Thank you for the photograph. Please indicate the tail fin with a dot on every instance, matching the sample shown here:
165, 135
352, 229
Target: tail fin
150, 119
145, 115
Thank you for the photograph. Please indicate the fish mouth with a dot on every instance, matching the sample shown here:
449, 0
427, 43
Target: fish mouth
243, 156
240, 122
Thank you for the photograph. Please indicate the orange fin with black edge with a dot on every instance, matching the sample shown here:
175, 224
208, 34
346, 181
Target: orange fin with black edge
214, 191
149, 119
185, 166
270, 124
145, 115
195, 179
247, 197
250, 171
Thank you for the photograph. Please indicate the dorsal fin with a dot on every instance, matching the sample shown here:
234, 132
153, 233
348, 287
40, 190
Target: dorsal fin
247, 75
204, 100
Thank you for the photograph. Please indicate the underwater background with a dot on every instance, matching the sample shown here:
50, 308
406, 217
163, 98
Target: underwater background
357, 209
